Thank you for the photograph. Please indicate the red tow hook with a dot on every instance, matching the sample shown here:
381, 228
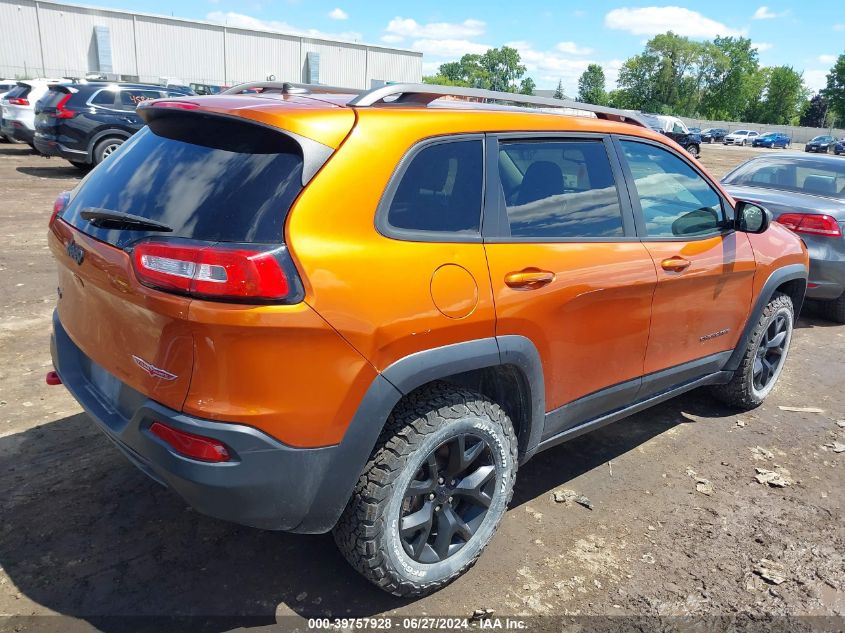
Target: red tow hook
53, 378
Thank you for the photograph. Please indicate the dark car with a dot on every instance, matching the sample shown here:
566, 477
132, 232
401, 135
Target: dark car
773, 140
807, 195
84, 123
713, 135
675, 129
839, 147
820, 144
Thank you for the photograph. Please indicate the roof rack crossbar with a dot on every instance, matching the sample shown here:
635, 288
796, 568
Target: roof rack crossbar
287, 87
424, 94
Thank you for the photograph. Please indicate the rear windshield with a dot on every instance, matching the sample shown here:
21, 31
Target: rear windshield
820, 178
18, 92
51, 99
207, 178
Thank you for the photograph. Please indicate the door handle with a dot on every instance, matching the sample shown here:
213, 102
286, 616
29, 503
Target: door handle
529, 279
675, 264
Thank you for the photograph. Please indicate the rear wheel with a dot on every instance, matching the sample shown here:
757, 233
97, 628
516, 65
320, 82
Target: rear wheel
765, 354
106, 148
833, 310
694, 151
433, 492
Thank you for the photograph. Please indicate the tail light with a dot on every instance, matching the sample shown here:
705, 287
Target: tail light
218, 271
811, 224
206, 449
18, 101
59, 206
62, 112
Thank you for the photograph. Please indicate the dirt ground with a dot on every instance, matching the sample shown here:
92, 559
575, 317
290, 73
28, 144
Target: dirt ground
84, 534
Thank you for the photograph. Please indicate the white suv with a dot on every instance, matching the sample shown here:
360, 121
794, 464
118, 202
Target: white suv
740, 137
5, 86
18, 108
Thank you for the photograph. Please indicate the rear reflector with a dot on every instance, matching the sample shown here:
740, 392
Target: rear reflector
811, 224
53, 378
212, 271
194, 446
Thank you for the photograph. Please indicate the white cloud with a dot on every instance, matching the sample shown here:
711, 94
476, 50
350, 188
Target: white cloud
762, 46
448, 48
392, 39
239, 20
549, 67
654, 20
408, 27
764, 13
572, 48
827, 59
338, 14
839, 27
815, 80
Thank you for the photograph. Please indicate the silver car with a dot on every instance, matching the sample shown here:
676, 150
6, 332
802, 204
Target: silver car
807, 195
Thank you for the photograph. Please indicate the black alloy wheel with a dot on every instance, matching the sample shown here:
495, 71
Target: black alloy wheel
448, 498
771, 352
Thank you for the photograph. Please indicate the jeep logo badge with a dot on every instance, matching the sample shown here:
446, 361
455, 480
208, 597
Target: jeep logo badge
76, 252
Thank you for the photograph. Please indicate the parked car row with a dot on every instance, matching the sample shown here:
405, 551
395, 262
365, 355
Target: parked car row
80, 122
677, 130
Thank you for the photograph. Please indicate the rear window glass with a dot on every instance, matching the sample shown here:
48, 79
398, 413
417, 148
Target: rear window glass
131, 98
207, 178
104, 98
51, 99
17, 92
821, 178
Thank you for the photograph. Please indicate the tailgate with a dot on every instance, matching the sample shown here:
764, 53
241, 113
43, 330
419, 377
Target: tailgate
139, 335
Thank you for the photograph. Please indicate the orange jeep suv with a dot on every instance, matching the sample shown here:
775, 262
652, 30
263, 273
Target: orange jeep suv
311, 310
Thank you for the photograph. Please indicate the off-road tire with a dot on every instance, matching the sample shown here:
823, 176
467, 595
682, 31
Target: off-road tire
367, 533
740, 391
833, 310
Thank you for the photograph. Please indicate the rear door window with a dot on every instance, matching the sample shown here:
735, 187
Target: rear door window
130, 99
558, 190
104, 98
207, 178
440, 190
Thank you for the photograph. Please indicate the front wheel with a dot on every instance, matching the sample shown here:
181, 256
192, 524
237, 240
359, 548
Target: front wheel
433, 492
765, 354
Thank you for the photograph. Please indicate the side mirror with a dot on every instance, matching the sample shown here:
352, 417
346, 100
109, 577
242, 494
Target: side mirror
751, 217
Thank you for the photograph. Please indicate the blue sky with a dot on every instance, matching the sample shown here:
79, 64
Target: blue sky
556, 39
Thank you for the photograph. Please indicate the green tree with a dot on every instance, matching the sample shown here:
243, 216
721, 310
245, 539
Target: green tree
835, 90
785, 93
755, 88
815, 112
559, 90
497, 69
591, 86
527, 86
502, 68
638, 83
730, 82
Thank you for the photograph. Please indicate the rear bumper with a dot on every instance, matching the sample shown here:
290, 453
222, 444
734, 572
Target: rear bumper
17, 130
266, 485
827, 277
50, 147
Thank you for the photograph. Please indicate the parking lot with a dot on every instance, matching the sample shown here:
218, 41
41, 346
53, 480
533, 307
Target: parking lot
679, 525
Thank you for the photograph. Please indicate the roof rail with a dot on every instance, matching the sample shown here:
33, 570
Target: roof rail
287, 87
423, 94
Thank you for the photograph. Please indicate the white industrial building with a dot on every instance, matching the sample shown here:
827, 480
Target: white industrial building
52, 39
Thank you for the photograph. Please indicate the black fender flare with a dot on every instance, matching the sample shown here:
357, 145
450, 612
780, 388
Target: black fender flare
400, 379
776, 279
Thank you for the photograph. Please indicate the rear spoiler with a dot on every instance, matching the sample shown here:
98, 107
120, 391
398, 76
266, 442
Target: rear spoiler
314, 154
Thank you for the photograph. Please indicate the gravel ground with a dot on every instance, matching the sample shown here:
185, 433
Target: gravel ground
679, 525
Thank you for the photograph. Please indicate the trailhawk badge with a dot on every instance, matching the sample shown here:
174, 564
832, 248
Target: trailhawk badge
152, 370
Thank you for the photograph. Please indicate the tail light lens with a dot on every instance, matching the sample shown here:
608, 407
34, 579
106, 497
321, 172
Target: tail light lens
59, 206
18, 101
217, 271
205, 449
62, 112
811, 224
